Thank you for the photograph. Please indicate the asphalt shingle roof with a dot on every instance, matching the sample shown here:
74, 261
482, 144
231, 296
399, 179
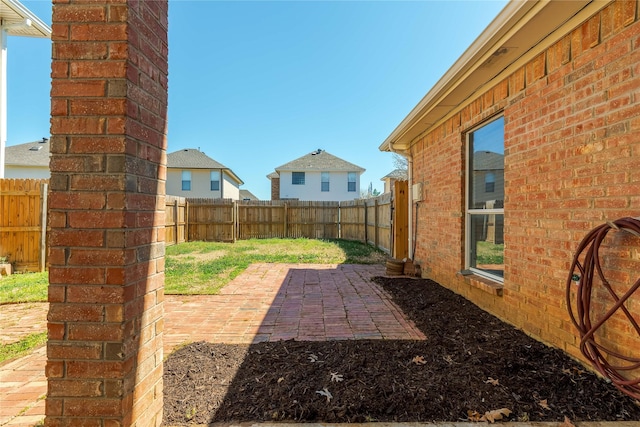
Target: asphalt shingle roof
34, 153
487, 160
192, 158
397, 174
247, 195
320, 160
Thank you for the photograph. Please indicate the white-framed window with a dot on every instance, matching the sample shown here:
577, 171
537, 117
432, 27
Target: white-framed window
186, 180
484, 248
297, 178
324, 181
215, 180
351, 181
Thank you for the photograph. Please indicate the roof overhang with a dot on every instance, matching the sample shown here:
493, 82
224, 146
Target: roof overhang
17, 20
515, 36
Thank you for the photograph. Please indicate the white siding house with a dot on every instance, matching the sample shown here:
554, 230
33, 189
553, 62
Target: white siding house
28, 161
191, 173
317, 176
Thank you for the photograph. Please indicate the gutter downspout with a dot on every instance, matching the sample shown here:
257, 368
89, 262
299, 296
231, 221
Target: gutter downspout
3, 96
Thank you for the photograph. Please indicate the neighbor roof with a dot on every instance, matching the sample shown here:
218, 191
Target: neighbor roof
13, 14
28, 154
192, 158
247, 195
320, 160
397, 174
509, 41
487, 160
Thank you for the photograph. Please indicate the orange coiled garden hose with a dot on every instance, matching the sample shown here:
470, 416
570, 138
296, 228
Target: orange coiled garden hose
583, 275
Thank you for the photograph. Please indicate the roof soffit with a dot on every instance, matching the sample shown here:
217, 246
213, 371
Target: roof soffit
516, 31
13, 13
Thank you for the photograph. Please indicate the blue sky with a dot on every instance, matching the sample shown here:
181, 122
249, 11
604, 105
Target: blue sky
256, 84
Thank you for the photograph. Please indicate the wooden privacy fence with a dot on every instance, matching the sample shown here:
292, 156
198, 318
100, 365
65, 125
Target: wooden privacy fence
224, 220
23, 219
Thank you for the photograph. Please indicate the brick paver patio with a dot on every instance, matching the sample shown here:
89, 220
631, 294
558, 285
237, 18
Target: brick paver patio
267, 302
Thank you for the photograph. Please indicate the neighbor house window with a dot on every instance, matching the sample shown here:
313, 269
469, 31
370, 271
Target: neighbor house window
351, 184
324, 185
485, 200
215, 180
489, 182
186, 180
297, 178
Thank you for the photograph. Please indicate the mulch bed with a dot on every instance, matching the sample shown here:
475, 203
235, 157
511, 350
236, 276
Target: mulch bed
471, 363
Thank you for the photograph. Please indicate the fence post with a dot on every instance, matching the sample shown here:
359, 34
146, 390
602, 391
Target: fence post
186, 220
44, 188
366, 222
234, 217
176, 220
286, 232
375, 220
339, 220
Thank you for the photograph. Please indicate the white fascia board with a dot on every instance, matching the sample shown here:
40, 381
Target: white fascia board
512, 12
15, 12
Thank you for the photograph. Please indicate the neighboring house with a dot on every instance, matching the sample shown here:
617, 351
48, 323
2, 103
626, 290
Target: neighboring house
15, 20
531, 138
316, 176
391, 178
247, 195
28, 161
193, 174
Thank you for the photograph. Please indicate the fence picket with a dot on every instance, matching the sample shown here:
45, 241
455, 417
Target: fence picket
22, 215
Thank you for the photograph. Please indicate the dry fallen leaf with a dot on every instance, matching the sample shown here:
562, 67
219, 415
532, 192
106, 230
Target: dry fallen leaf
280, 380
474, 415
567, 423
544, 404
492, 381
313, 358
324, 392
336, 377
496, 414
419, 360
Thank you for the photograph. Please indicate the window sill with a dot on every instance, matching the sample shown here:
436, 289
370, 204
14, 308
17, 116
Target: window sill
484, 284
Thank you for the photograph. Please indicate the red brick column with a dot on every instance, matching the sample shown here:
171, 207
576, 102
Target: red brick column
106, 213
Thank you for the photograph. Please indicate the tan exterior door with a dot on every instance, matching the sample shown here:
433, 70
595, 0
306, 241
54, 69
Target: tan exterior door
400, 220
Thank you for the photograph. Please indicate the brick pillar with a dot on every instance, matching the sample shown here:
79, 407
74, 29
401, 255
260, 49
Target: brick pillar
106, 213
275, 188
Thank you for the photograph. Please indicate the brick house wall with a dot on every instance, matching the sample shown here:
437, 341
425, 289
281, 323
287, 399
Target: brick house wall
572, 162
106, 213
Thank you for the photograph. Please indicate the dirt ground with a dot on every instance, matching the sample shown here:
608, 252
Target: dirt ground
471, 365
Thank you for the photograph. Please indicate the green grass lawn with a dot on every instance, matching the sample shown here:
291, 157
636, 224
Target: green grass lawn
27, 287
490, 253
22, 347
204, 267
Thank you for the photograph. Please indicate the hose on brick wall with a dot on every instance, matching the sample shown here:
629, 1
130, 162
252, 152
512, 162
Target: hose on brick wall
581, 282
